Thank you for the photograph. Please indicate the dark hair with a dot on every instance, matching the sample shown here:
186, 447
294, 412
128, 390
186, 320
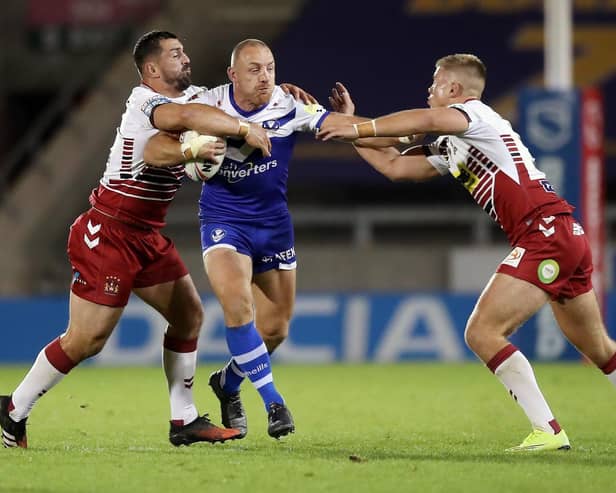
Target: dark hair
148, 45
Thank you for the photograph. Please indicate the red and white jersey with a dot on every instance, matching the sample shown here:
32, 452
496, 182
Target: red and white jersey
491, 162
131, 190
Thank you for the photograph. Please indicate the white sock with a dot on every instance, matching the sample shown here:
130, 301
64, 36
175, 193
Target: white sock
518, 377
180, 372
612, 378
41, 378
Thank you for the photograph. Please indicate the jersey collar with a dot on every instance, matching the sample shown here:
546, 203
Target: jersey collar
242, 112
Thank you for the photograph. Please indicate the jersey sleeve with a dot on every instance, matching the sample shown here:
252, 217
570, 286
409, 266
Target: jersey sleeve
436, 154
308, 117
143, 101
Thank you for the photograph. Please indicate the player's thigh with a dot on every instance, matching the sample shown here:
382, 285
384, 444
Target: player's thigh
505, 304
178, 301
89, 327
580, 320
228, 271
274, 296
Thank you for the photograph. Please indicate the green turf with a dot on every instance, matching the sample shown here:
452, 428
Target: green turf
360, 428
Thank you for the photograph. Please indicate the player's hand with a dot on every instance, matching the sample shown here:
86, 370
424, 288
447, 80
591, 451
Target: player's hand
210, 152
257, 137
298, 93
341, 101
342, 131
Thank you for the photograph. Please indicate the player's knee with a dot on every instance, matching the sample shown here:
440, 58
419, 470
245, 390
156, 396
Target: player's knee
273, 341
472, 336
274, 335
92, 347
196, 319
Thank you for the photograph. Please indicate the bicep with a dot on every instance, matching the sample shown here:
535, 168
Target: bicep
168, 116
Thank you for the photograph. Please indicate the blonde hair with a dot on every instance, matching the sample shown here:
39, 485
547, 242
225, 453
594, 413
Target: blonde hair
469, 67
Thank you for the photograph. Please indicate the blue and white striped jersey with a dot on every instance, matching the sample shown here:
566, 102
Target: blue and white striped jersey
248, 185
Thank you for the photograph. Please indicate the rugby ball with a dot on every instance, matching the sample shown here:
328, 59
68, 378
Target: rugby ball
199, 170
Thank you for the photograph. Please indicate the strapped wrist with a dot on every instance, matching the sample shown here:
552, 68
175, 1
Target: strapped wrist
244, 128
187, 151
365, 129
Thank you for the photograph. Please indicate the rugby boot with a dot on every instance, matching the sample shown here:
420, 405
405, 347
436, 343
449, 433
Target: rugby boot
13, 432
231, 408
200, 430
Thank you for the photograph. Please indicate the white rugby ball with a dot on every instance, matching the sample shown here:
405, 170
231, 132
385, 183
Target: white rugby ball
198, 170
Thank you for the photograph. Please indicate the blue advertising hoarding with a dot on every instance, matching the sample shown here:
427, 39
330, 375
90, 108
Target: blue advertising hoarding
327, 327
564, 131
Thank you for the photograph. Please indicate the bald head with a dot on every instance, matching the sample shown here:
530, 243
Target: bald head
468, 70
247, 43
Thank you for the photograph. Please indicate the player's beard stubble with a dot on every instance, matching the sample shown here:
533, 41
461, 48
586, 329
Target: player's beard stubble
182, 81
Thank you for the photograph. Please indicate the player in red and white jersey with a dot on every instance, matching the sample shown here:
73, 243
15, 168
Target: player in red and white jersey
116, 247
551, 260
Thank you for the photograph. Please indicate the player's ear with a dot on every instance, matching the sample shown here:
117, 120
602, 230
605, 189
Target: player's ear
150, 69
231, 74
456, 89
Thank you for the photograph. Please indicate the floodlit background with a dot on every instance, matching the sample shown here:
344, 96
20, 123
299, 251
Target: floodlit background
387, 271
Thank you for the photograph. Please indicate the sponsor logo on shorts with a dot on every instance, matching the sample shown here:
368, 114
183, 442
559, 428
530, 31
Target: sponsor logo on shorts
77, 279
286, 255
112, 285
266, 259
548, 271
513, 259
218, 234
92, 241
544, 229
577, 229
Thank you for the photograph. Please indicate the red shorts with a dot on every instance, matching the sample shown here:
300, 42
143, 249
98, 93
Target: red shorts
554, 255
109, 258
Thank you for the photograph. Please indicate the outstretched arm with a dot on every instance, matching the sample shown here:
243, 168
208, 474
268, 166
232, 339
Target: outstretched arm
341, 102
389, 162
400, 124
207, 120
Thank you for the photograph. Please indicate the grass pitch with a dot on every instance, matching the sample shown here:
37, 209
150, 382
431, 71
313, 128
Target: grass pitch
360, 428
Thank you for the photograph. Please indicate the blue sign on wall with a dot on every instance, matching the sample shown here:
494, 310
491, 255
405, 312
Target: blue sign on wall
550, 127
326, 327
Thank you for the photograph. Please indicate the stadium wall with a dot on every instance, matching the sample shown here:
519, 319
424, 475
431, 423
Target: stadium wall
327, 327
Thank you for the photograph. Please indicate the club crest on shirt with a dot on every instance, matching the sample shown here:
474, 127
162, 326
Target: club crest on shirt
271, 124
218, 234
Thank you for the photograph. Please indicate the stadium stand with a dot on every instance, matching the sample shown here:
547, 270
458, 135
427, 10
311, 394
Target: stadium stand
354, 229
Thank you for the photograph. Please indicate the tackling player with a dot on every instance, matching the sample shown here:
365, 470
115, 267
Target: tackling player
551, 259
116, 247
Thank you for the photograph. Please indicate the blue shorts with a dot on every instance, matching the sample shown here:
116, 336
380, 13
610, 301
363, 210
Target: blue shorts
269, 243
